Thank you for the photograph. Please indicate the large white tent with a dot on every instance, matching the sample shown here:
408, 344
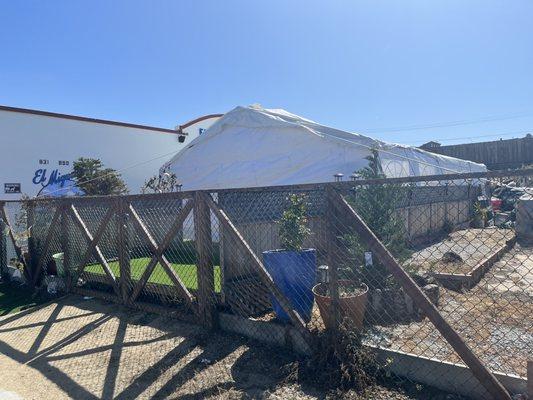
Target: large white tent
254, 146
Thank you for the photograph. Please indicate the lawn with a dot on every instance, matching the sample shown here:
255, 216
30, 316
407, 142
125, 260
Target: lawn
14, 298
186, 272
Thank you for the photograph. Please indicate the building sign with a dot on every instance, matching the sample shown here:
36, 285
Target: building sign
11, 188
55, 184
44, 178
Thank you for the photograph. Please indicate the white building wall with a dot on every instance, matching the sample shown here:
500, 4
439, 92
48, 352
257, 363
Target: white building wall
34, 146
195, 130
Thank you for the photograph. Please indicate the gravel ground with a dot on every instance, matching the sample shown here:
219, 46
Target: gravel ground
495, 318
88, 349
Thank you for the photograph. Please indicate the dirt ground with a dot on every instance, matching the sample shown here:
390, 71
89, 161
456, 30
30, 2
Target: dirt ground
89, 349
472, 245
495, 318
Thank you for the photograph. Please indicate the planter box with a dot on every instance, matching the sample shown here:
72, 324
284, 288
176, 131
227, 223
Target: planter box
469, 280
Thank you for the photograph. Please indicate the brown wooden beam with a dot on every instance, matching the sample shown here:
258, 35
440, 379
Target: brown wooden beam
260, 269
176, 226
141, 283
18, 250
3, 246
204, 261
65, 248
333, 253
311, 186
93, 240
30, 221
122, 243
90, 239
480, 371
46, 246
174, 277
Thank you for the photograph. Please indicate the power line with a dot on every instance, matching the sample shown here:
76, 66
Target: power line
447, 124
514, 133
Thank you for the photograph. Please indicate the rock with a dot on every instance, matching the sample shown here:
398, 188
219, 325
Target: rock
451, 257
432, 291
399, 306
424, 278
376, 300
15, 274
408, 304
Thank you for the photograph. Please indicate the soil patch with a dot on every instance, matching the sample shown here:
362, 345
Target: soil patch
89, 349
460, 252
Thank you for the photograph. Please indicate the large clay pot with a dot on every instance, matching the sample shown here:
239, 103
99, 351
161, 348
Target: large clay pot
352, 307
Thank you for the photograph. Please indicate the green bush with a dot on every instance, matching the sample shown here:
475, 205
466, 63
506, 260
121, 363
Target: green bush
293, 228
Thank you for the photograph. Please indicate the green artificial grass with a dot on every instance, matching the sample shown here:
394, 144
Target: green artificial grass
186, 272
14, 298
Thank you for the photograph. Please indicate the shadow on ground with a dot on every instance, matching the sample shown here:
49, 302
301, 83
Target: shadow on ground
88, 349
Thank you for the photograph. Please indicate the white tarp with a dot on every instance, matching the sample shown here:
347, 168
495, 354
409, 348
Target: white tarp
253, 146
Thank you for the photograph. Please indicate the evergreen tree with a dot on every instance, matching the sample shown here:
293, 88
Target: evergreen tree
91, 177
377, 205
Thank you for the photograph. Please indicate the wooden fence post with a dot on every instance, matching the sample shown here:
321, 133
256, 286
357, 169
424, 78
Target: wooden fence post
31, 262
13, 239
64, 235
204, 262
125, 283
3, 246
333, 257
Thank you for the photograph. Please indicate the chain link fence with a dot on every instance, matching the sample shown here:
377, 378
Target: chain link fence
286, 265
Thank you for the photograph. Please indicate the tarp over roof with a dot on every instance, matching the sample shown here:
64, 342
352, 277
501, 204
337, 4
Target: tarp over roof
253, 146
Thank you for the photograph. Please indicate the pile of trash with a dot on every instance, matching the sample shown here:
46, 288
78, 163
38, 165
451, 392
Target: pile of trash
504, 203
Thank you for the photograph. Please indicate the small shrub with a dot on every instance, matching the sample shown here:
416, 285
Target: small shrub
163, 183
480, 213
293, 228
339, 362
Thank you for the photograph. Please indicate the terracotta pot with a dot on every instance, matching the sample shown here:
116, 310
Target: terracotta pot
352, 307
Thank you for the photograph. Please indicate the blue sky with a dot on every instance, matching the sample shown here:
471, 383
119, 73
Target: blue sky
391, 69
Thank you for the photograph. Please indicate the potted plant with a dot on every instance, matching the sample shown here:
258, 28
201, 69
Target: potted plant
292, 267
360, 277
480, 215
352, 302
